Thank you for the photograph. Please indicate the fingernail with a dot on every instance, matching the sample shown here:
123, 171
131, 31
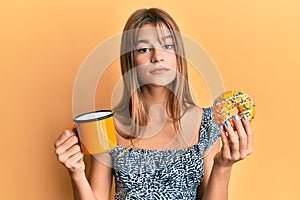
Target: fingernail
221, 127
245, 118
236, 117
227, 123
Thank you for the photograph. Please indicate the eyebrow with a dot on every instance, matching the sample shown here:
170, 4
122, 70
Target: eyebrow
147, 41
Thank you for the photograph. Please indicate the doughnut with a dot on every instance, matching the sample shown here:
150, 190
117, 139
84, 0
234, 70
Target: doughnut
232, 103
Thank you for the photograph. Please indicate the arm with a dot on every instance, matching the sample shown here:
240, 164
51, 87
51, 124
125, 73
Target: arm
69, 154
236, 147
81, 187
101, 175
98, 186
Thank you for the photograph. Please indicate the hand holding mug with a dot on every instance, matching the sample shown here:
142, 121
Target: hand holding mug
96, 134
68, 151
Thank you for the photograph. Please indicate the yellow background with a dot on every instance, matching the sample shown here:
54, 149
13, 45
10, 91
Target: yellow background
255, 45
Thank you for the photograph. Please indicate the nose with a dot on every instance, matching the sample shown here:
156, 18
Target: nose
157, 55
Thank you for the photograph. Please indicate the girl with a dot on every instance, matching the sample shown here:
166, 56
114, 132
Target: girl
168, 147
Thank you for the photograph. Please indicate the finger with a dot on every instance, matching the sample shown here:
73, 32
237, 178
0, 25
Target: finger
73, 129
74, 160
69, 153
71, 141
233, 141
242, 136
78, 165
63, 137
225, 144
249, 134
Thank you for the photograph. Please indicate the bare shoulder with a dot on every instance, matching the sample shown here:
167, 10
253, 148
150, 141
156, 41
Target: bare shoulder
193, 111
123, 126
192, 116
191, 123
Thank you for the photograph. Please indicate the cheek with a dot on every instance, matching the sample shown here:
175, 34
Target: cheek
142, 73
140, 59
172, 62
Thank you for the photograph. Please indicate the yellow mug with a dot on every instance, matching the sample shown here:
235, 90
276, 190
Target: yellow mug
96, 131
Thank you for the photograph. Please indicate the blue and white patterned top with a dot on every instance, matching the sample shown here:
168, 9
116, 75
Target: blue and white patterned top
163, 174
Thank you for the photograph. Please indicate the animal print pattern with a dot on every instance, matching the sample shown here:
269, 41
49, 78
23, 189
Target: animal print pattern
163, 174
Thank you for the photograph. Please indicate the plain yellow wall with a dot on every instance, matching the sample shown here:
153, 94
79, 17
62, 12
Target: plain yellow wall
255, 45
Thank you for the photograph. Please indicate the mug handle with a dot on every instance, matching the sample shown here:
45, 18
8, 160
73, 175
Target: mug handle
73, 128
83, 148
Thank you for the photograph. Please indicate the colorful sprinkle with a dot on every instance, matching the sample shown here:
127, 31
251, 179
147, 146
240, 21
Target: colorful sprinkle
229, 100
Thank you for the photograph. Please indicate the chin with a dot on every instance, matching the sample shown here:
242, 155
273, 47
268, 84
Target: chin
159, 81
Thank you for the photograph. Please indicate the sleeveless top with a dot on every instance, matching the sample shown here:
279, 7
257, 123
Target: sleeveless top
163, 174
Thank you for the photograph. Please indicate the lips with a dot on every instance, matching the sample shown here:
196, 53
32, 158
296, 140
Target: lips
159, 70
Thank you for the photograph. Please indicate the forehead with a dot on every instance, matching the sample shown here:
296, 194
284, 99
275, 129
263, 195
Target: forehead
155, 32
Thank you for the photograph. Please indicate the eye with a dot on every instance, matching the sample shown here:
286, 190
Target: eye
168, 46
143, 50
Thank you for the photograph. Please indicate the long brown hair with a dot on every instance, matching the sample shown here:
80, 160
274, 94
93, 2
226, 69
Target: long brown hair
133, 101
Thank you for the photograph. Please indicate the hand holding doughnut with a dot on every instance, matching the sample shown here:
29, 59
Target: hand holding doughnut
233, 111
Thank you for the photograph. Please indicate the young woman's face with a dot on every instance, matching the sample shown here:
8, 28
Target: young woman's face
155, 56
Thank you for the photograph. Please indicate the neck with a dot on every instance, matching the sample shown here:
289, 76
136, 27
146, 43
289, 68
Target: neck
156, 95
